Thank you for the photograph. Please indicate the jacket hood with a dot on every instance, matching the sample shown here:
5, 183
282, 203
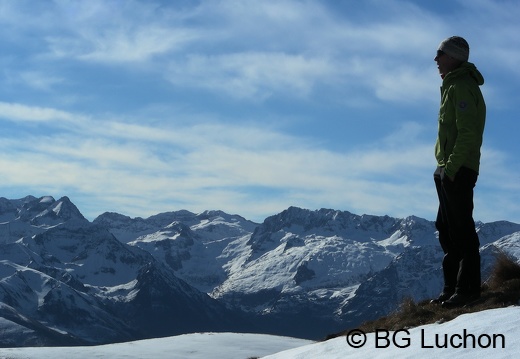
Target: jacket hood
470, 69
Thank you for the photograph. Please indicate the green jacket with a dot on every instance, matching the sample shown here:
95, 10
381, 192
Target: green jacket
462, 117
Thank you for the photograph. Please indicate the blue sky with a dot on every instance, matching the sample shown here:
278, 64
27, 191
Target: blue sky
142, 107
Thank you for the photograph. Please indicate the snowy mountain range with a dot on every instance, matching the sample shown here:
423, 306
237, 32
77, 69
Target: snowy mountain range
67, 281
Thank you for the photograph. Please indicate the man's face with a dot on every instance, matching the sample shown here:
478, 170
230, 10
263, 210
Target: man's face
445, 63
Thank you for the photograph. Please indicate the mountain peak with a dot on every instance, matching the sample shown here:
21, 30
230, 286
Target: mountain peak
54, 212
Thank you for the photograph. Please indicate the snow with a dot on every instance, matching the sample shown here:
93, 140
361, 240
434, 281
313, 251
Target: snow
487, 334
47, 199
188, 346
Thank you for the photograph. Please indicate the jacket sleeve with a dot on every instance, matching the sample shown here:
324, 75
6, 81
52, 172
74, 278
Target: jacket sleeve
467, 129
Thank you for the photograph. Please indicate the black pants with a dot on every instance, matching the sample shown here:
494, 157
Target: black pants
457, 234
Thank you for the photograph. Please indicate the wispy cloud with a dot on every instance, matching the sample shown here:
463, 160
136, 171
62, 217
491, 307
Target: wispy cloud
20, 112
120, 45
192, 167
252, 75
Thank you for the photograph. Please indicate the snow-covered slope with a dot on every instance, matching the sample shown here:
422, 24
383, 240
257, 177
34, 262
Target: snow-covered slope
188, 346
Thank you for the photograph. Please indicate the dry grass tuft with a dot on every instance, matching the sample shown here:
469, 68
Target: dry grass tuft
506, 275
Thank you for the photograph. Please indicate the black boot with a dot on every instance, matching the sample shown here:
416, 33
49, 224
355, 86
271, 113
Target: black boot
460, 299
444, 296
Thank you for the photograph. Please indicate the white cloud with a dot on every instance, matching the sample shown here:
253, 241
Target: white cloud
120, 45
252, 75
20, 112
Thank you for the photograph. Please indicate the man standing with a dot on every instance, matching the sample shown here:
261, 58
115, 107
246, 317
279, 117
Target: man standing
457, 150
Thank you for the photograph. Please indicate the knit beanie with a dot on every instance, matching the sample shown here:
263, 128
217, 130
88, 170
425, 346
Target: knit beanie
456, 47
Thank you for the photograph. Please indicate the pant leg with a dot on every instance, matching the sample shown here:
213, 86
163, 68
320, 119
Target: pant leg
452, 258
468, 279
463, 238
